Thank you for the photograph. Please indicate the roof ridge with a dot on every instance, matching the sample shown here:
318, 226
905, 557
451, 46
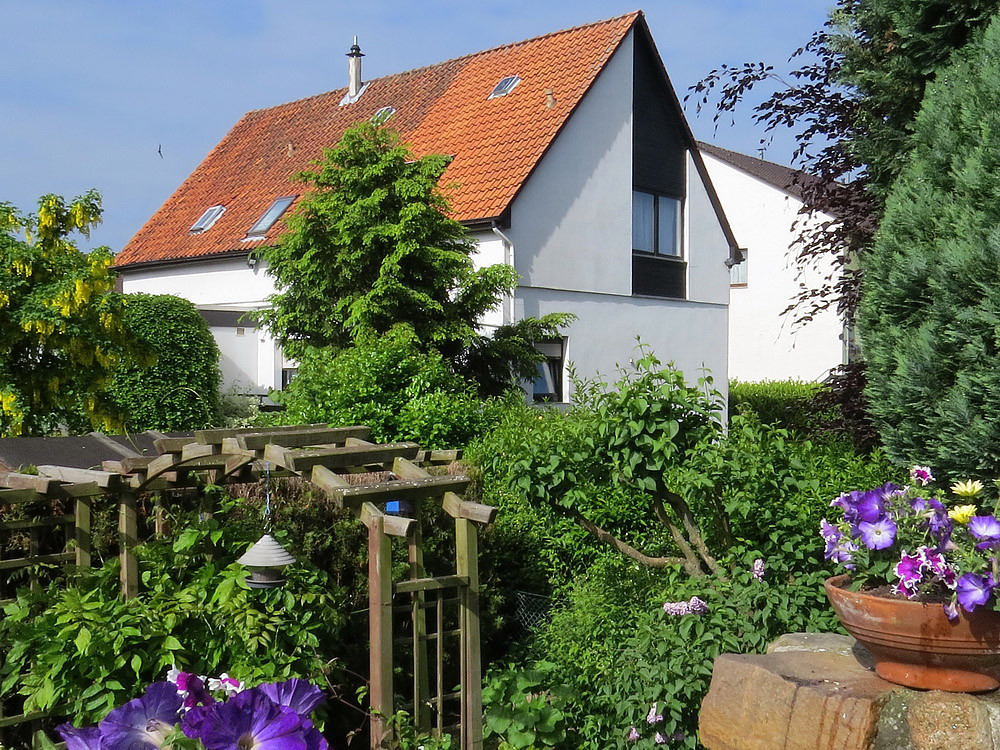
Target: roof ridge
713, 147
636, 14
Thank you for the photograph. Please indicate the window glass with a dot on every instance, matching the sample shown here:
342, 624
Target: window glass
643, 221
547, 386
738, 273
270, 216
669, 239
207, 219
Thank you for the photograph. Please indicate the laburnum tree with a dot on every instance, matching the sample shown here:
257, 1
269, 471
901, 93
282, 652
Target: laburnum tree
61, 330
930, 311
371, 246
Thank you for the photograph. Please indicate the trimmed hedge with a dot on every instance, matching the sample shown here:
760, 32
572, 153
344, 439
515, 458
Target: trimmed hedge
177, 386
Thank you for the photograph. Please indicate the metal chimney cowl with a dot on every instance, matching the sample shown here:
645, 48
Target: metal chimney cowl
265, 560
355, 86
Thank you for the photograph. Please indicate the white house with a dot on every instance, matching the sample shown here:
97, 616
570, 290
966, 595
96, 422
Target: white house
573, 163
762, 201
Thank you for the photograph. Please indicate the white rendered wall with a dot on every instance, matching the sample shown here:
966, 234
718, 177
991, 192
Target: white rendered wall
249, 362
763, 343
571, 227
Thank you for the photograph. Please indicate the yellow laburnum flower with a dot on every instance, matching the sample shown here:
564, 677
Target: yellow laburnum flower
962, 513
968, 488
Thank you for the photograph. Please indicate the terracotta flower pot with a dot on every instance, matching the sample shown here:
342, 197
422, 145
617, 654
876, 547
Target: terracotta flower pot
915, 645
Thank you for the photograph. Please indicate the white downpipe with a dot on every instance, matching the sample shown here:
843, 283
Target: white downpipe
508, 313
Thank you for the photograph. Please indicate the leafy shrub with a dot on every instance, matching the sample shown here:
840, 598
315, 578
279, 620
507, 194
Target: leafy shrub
524, 709
787, 403
393, 385
84, 648
176, 388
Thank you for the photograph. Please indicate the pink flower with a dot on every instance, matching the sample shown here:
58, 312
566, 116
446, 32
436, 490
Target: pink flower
633, 734
758, 569
676, 609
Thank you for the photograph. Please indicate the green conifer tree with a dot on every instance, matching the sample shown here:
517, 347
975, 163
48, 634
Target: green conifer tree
930, 312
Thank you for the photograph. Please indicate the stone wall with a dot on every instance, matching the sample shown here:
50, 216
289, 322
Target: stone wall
818, 692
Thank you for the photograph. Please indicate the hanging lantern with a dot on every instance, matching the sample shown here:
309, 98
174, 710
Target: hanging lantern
266, 558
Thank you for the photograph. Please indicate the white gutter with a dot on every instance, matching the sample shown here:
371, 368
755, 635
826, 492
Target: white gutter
508, 314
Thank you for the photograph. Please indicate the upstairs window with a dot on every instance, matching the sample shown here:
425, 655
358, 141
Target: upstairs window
383, 115
656, 224
548, 386
270, 216
207, 219
505, 86
738, 273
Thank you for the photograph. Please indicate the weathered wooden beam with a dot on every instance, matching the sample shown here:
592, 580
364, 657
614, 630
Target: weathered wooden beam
438, 457
410, 489
17, 497
127, 540
397, 526
216, 436
300, 438
192, 451
328, 480
406, 469
467, 565
456, 507
79, 489
84, 541
334, 457
435, 583
105, 479
379, 632
24, 562
15, 481
30, 523
172, 445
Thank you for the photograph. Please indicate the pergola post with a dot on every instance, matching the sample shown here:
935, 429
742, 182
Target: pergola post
380, 631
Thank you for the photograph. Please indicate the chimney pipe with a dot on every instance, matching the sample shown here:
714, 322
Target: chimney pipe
354, 70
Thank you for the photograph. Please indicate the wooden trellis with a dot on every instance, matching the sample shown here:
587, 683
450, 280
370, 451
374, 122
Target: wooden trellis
325, 456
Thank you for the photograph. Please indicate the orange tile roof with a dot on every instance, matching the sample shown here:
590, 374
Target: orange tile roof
496, 143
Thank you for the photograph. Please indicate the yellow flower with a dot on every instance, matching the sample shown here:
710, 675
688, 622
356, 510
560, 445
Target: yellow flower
962, 513
968, 488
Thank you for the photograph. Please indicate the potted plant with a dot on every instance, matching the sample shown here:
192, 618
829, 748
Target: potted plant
919, 587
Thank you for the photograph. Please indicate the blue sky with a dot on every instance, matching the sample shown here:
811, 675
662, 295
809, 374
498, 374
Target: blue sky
89, 89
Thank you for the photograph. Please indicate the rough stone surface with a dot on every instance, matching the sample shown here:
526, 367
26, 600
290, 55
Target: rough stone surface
817, 691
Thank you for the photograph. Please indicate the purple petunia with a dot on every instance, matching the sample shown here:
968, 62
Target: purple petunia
299, 695
252, 721
951, 610
909, 570
88, 738
145, 721
986, 529
974, 590
921, 475
879, 534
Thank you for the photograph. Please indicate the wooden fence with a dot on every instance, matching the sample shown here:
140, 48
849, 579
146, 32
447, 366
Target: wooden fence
323, 455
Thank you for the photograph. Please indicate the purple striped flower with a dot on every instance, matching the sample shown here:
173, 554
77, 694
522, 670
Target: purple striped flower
143, 722
974, 590
877, 535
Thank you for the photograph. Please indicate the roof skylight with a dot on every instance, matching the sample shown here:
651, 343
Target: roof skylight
207, 219
270, 216
382, 115
505, 86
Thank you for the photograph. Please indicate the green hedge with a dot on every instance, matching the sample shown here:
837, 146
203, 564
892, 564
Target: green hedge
176, 387
791, 404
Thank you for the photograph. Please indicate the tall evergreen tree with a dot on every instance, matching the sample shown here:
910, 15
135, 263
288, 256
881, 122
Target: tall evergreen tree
930, 311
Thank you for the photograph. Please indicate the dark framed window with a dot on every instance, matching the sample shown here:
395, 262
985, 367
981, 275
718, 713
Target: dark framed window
738, 273
287, 375
548, 386
656, 224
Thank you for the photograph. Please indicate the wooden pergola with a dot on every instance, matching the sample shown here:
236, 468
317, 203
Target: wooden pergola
325, 456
